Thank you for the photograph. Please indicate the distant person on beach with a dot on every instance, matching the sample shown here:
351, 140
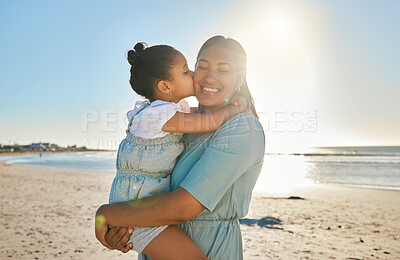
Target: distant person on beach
147, 156
212, 182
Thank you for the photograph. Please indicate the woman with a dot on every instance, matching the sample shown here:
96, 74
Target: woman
214, 177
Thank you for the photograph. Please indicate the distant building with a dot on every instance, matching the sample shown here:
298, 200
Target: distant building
37, 147
54, 147
46, 146
71, 147
26, 147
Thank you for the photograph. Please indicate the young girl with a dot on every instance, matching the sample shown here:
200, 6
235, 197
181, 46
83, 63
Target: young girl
146, 157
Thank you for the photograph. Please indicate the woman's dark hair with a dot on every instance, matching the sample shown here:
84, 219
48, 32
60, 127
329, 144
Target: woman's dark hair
241, 60
149, 66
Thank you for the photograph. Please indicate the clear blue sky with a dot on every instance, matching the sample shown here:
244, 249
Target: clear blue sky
63, 60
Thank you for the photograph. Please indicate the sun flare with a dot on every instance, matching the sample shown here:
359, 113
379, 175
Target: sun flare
277, 28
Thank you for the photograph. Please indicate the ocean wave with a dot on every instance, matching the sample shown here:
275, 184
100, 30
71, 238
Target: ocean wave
101, 155
350, 154
355, 161
370, 186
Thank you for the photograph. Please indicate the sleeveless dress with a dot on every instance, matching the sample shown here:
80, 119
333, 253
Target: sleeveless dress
144, 165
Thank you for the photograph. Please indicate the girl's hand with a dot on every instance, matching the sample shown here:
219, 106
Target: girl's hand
112, 237
101, 228
248, 110
239, 101
117, 237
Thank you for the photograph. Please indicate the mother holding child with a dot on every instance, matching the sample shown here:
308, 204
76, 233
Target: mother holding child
185, 207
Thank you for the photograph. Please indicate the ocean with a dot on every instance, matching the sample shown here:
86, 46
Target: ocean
374, 167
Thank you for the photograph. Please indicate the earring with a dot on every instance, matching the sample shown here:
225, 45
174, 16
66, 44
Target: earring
237, 89
170, 94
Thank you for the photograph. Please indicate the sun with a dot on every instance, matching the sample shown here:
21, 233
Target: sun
277, 27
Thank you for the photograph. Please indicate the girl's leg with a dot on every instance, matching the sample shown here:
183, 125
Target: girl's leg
174, 244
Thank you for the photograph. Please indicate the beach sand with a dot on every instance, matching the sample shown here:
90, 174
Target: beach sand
47, 213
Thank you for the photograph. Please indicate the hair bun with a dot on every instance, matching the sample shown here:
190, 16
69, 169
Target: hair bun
133, 58
139, 47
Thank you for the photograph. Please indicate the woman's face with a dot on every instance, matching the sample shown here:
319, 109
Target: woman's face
215, 77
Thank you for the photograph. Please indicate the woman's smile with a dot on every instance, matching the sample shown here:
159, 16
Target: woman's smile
209, 89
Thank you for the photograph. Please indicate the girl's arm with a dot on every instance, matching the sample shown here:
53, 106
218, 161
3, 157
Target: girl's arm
206, 122
194, 109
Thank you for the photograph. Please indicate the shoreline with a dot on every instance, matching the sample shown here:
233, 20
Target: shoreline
48, 213
48, 152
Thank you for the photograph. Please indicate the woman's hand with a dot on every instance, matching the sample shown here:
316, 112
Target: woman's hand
117, 237
243, 103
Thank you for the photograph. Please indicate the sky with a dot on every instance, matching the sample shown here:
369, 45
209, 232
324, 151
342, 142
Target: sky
322, 73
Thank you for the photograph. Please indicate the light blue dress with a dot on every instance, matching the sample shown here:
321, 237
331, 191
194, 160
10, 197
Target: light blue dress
220, 170
144, 166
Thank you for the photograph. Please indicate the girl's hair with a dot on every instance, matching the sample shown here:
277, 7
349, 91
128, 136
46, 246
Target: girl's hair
241, 60
149, 66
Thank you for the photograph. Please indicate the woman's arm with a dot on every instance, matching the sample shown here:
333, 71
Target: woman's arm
205, 122
168, 208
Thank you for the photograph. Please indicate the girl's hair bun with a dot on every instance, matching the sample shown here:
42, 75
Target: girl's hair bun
139, 47
133, 58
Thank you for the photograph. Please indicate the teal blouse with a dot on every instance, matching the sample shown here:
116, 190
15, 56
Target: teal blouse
220, 170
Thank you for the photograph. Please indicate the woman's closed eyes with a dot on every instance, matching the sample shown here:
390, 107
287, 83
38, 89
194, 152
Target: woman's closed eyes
224, 68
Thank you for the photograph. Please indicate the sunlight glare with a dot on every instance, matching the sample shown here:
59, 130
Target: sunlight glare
282, 175
277, 28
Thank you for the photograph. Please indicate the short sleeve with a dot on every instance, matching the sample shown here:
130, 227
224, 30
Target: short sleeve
236, 147
184, 105
148, 123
